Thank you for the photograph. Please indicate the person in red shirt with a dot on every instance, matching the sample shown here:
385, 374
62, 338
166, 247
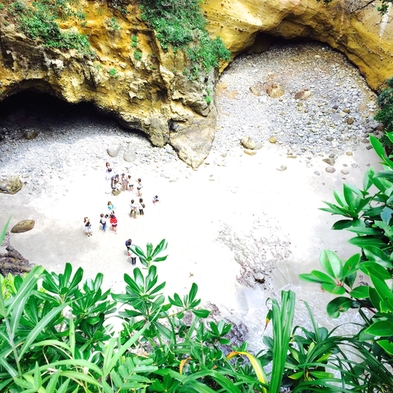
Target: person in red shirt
113, 221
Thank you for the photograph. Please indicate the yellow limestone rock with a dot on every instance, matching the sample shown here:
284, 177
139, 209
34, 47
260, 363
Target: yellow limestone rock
144, 87
353, 27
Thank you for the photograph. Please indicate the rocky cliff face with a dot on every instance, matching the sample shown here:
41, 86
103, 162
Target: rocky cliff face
133, 79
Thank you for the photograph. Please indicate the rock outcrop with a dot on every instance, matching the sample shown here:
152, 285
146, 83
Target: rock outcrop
145, 88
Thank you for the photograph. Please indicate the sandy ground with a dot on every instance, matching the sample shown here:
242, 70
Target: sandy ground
248, 198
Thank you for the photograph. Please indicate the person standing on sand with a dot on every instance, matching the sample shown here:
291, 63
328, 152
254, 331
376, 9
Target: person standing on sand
133, 208
115, 180
139, 187
111, 206
124, 182
130, 184
129, 251
113, 221
88, 230
103, 221
108, 171
141, 207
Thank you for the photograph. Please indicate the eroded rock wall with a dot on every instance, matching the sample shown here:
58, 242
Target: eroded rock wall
148, 91
353, 27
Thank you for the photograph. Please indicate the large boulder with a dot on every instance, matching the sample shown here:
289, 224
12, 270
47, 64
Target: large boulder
23, 226
10, 185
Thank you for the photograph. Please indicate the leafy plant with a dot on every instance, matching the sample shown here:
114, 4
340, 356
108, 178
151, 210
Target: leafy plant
138, 55
368, 214
181, 25
385, 114
113, 73
134, 41
39, 22
113, 23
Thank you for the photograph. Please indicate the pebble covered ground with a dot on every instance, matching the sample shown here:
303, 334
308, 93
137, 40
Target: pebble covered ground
333, 120
336, 117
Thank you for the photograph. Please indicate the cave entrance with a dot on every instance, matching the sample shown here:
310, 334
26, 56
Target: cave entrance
301, 95
33, 111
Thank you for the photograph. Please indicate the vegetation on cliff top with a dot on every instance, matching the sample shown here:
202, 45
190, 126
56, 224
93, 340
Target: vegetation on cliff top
181, 25
38, 21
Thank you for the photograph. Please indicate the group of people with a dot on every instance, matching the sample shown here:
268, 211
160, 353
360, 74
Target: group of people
123, 183
120, 183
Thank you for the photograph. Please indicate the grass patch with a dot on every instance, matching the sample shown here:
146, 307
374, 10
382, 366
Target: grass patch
38, 21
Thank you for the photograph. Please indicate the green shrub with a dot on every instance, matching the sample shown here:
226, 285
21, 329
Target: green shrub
385, 102
181, 25
113, 72
134, 41
138, 55
38, 22
112, 23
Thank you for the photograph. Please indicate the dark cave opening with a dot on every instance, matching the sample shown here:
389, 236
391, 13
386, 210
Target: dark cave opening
32, 110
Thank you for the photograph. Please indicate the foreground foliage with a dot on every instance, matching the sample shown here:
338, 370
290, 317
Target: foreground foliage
368, 213
55, 337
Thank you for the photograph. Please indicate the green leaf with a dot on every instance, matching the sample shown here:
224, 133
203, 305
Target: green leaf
80, 377
333, 288
51, 387
334, 209
385, 294
39, 328
11, 370
37, 377
176, 301
374, 254
387, 345
160, 259
366, 242
138, 277
193, 292
297, 375
349, 198
149, 251
110, 359
366, 178
386, 214
377, 145
373, 269
365, 231
350, 267
361, 292
342, 224
331, 263
161, 247
381, 328
201, 313
340, 199
17, 303
338, 305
